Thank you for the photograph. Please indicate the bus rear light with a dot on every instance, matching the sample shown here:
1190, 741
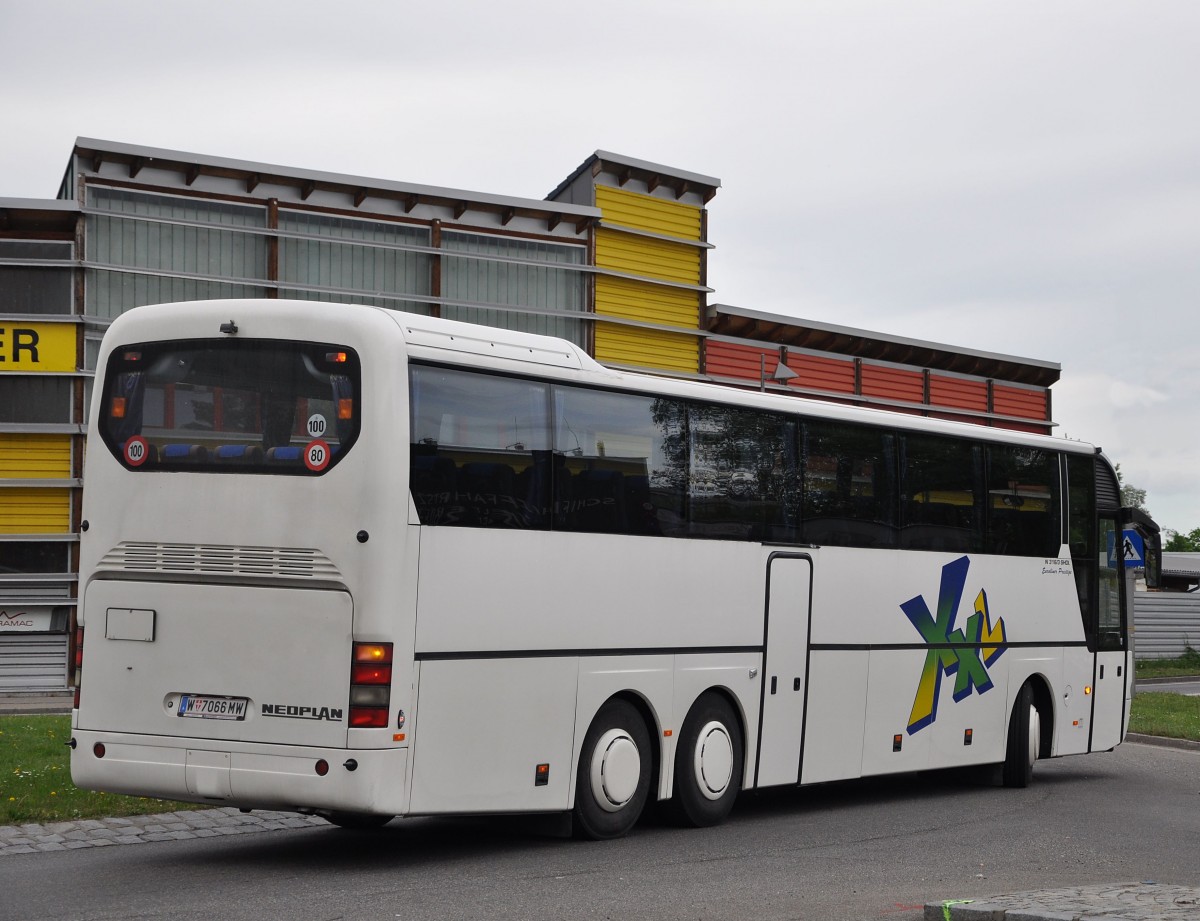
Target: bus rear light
345, 408
368, 717
337, 358
370, 685
368, 696
118, 408
78, 664
371, 674
373, 652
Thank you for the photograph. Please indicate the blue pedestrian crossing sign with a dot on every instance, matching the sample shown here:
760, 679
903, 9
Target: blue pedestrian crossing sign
1133, 550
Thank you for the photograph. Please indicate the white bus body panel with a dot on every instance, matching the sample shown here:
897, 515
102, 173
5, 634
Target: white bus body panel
270, 646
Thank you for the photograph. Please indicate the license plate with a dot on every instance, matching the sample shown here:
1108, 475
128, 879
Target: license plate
206, 707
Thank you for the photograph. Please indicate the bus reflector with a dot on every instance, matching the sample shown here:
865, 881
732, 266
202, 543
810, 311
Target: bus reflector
322, 767
118, 408
346, 408
370, 685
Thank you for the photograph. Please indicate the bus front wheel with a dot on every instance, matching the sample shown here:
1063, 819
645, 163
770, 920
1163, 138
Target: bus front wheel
708, 763
613, 779
1024, 739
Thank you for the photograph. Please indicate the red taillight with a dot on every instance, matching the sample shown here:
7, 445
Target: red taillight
371, 674
78, 663
370, 685
368, 717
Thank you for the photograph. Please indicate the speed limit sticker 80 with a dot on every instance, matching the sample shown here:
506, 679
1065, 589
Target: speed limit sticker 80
316, 455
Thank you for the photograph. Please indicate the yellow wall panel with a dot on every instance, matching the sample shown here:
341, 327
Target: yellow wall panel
648, 303
648, 257
646, 348
35, 456
35, 511
645, 212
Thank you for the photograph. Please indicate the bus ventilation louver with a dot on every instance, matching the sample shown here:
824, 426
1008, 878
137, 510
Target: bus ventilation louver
215, 560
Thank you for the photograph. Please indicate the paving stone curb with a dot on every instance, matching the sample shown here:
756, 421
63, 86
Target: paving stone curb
1145, 901
33, 838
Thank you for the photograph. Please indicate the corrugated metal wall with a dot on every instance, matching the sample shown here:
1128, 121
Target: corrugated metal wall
38, 456
35, 511
1167, 623
889, 383
648, 260
33, 661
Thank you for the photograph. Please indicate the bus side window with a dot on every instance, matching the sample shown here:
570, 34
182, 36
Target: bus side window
1023, 502
475, 446
849, 485
941, 488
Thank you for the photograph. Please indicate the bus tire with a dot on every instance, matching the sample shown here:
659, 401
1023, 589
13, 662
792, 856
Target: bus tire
613, 778
1024, 738
356, 821
709, 761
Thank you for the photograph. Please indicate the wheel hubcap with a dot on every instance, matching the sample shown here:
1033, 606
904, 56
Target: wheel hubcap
1035, 734
616, 769
713, 760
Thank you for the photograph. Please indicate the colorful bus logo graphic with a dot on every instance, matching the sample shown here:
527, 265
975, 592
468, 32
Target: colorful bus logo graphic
965, 654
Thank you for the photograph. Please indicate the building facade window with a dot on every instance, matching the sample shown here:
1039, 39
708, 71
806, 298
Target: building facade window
152, 249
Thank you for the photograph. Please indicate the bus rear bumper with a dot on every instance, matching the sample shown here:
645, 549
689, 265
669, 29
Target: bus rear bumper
283, 777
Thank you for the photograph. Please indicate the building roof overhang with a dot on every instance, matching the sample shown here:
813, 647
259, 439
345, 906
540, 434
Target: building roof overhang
36, 215
191, 167
777, 329
655, 175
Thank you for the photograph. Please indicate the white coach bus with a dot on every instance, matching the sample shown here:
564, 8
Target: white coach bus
360, 563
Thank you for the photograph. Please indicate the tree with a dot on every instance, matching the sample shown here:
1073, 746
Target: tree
1131, 496
1183, 543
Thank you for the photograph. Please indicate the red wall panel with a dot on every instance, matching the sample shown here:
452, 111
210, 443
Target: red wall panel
892, 383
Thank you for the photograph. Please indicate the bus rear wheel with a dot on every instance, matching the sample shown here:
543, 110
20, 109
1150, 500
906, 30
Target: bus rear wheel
709, 761
1024, 739
613, 779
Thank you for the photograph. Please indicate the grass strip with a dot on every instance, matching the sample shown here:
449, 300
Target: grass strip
1174, 716
35, 777
1186, 664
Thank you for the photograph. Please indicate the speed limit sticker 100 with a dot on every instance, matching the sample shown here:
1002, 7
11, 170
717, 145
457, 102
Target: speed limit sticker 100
316, 455
136, 451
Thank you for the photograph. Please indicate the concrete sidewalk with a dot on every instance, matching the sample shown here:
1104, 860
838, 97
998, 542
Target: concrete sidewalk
1146, 901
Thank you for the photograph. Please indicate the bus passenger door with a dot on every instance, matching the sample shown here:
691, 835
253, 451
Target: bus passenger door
784, 687
1112, 665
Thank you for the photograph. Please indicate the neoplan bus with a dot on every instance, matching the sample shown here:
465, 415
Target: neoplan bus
360, 563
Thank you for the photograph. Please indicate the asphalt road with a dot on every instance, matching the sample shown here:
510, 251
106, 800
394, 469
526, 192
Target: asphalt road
865, 850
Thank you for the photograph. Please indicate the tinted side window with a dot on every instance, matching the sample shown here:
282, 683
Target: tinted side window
1023, 502
849, 485
480, 449
743, 479
941, 495
620, 463
1081, 528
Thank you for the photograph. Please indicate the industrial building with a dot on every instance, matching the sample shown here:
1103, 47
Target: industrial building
614, 259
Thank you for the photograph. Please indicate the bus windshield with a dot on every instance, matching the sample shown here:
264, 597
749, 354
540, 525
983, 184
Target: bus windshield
231, 406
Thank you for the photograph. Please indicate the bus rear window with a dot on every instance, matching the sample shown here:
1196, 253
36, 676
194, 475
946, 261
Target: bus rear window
256, 406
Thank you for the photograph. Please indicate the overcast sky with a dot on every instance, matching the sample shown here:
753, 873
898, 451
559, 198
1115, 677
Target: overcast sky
1017, 177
